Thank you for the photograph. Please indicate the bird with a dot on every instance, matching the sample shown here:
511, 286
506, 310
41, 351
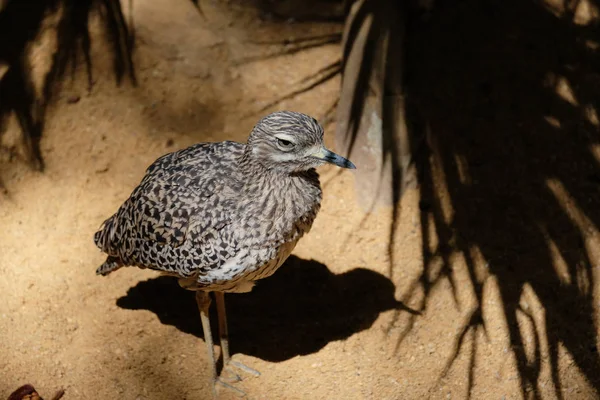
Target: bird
220, 216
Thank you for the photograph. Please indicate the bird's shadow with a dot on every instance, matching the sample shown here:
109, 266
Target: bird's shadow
297, 311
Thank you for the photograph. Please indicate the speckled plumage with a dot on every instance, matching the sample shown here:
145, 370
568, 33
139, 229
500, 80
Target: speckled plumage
222, 215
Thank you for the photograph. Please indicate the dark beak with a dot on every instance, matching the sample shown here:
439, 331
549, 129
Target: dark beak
331, 157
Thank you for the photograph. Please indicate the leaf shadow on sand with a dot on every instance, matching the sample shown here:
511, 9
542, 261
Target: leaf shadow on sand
23, 26
505, 96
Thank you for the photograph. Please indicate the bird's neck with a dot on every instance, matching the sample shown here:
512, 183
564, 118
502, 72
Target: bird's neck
264, 175
271, 193
261, 178
260, 181
251, 165
247, 165
284, 205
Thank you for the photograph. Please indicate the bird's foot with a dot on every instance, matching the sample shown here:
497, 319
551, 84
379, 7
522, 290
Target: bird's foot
238, 392
229, 376
238, 365
231, 369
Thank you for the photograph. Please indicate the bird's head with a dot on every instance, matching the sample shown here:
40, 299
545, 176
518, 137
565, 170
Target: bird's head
290, 142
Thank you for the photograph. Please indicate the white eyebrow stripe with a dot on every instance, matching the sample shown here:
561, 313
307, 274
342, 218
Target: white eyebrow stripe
285, 136
282, 157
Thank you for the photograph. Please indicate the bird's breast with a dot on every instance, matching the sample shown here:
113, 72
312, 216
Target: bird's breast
279, 214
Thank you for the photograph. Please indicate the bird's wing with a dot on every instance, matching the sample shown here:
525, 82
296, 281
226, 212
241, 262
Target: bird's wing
180, 187
176, 191
162, 213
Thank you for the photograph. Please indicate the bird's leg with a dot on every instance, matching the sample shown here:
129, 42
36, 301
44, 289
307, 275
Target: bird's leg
203, 300
223, 331
224, 336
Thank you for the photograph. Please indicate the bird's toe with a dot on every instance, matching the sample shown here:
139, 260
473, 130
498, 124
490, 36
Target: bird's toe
241, 367
233, 389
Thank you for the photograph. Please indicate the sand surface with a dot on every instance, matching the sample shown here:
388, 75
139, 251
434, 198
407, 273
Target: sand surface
480, 297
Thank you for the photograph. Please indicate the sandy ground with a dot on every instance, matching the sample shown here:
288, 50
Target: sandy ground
329, 324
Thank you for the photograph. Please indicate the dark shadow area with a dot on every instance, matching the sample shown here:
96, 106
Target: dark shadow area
507, 94
305, 10
299, 12
297, 311
21, 24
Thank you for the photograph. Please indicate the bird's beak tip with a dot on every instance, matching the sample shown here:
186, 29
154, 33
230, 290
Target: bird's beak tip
335, 159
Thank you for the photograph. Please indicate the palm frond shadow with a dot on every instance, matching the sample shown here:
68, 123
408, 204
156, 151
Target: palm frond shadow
291, 46
21, 24
308, 83
506, 94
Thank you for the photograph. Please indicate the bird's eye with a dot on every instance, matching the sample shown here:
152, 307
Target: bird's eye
286, 144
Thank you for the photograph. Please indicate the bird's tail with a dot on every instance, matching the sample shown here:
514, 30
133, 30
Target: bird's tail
105, 240
105, 235
111, 264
